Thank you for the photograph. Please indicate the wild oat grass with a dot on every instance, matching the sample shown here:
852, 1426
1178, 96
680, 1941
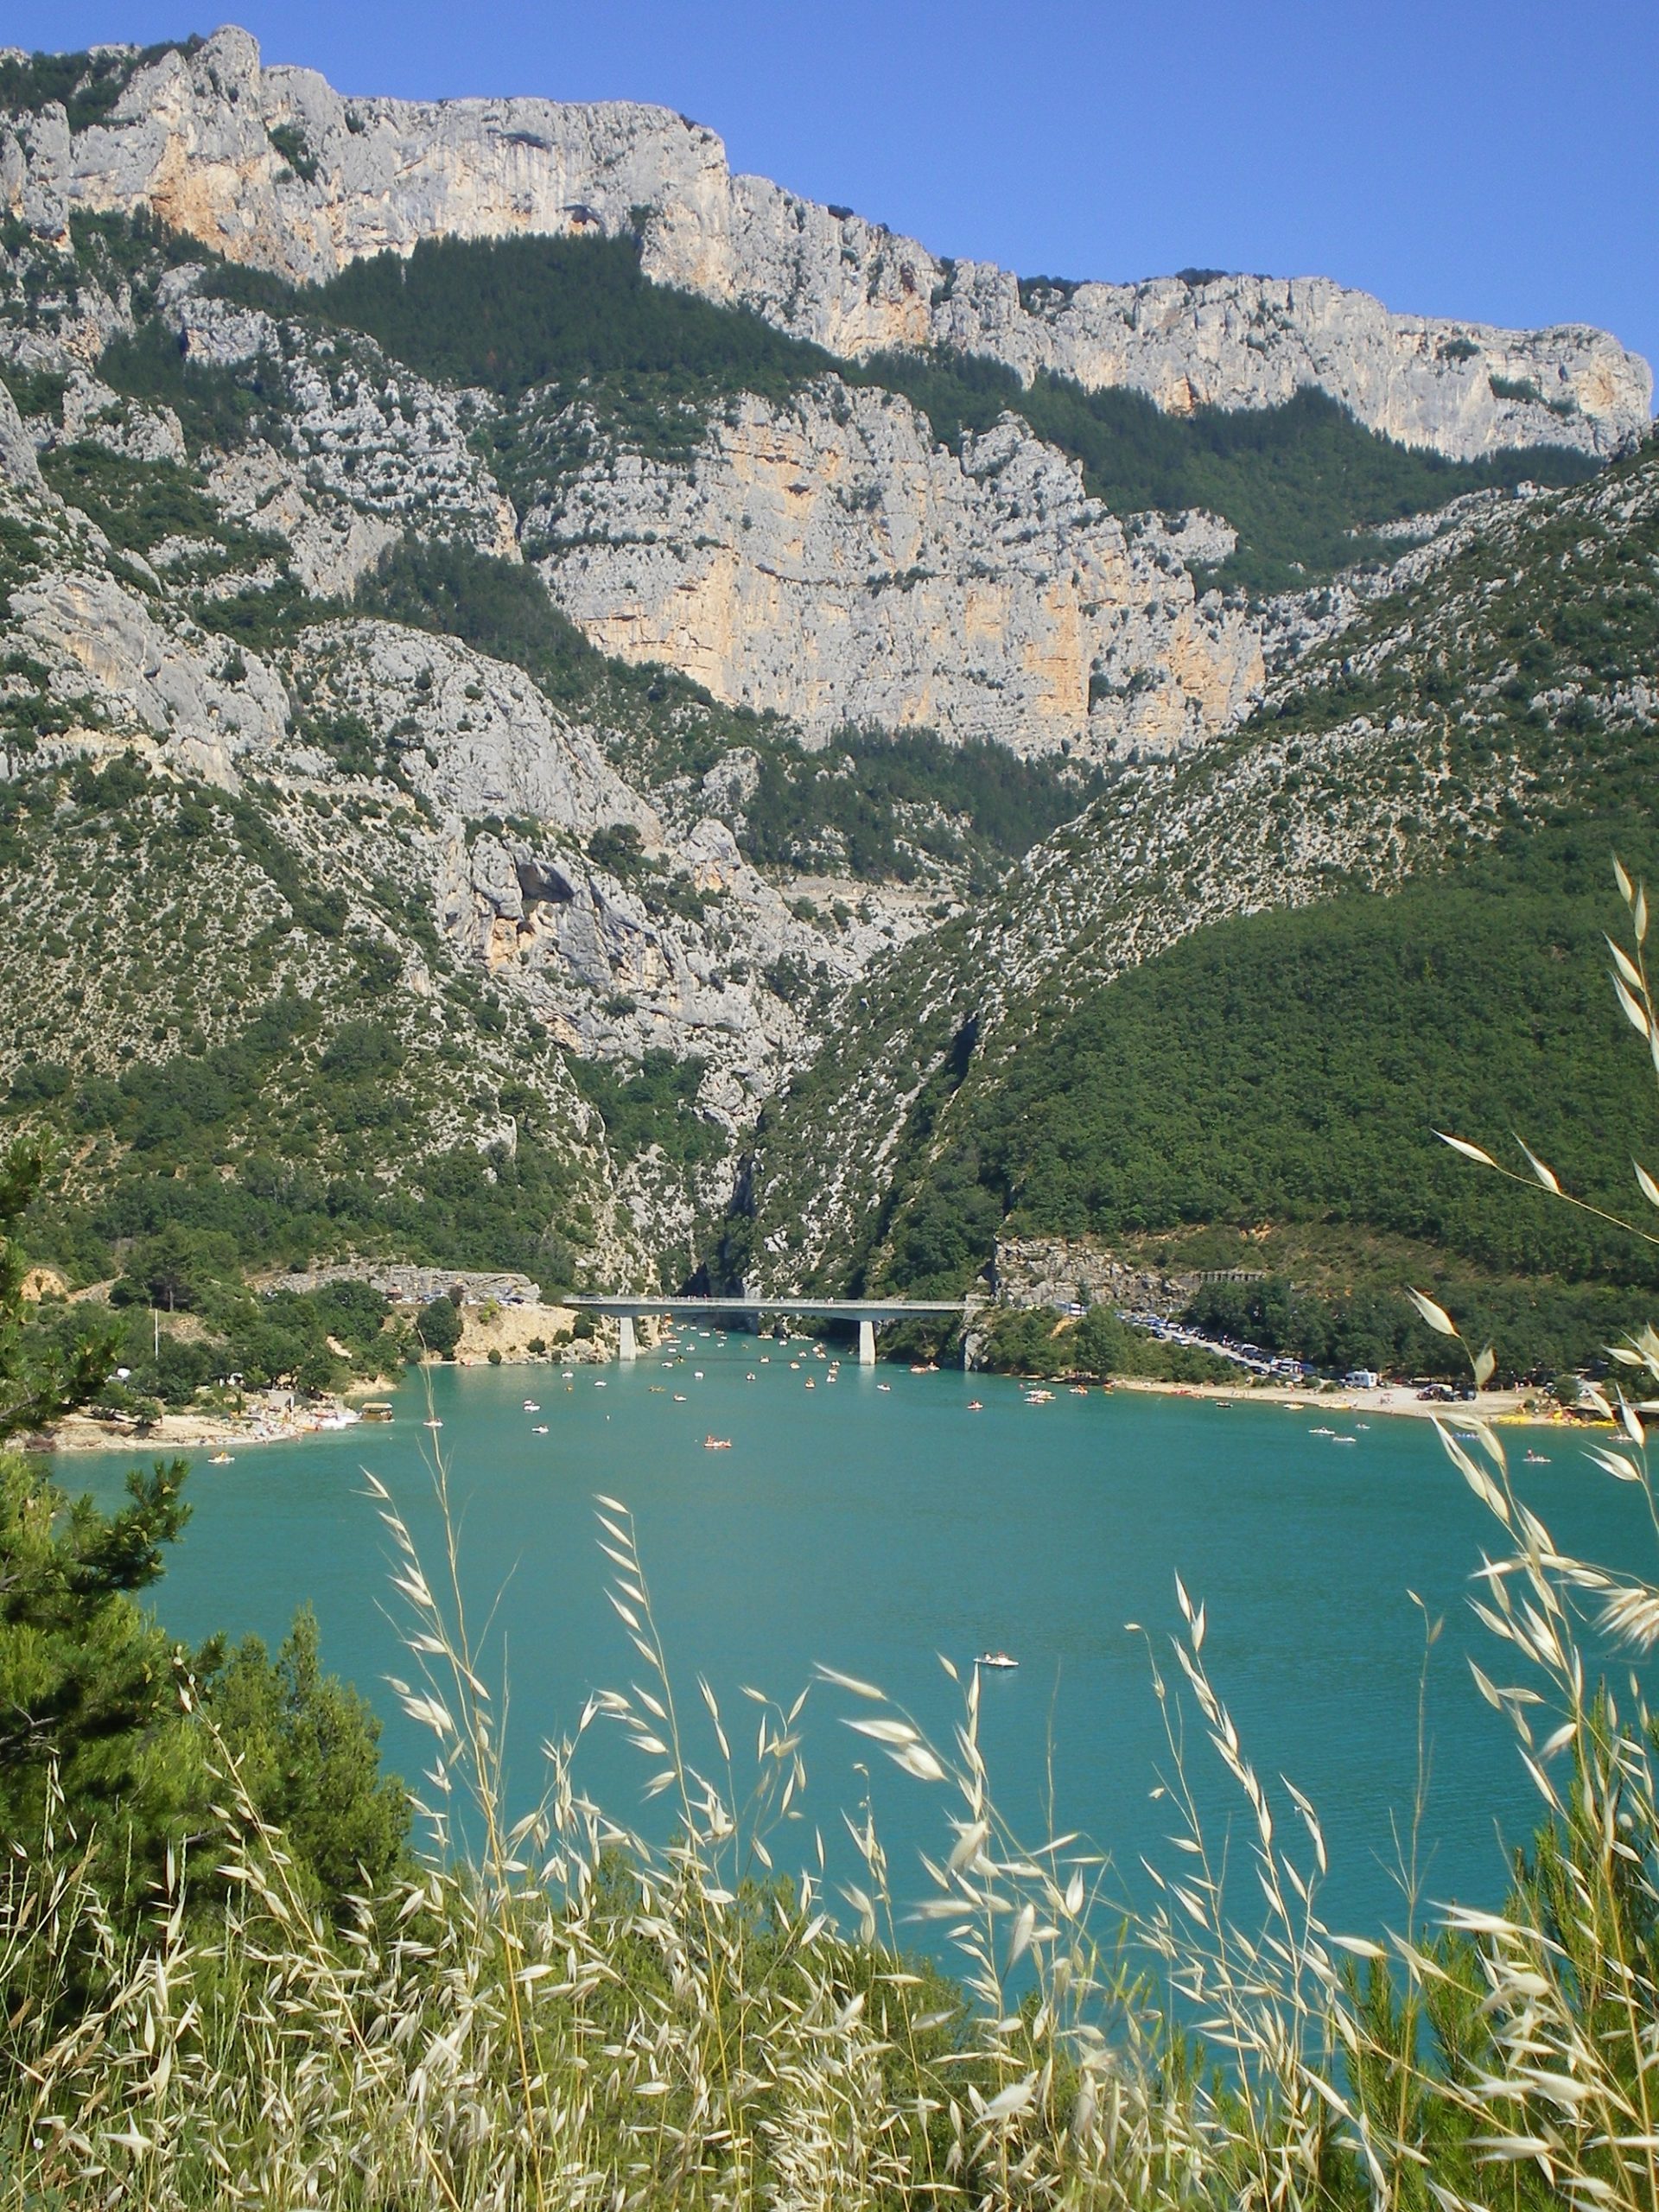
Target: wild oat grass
557, 2010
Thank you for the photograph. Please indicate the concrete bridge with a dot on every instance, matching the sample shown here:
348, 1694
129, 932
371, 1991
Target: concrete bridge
868, 1312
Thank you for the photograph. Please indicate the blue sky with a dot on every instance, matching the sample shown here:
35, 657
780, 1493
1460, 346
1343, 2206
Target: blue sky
1494, 161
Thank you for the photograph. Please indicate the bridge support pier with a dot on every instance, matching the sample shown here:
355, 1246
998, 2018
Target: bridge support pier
629, 1349
867, 1344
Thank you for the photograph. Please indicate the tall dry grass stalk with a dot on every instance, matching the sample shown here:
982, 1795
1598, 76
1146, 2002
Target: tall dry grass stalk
555, 2010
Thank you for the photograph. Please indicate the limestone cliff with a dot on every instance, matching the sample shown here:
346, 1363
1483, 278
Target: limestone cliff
828, 560
271, 166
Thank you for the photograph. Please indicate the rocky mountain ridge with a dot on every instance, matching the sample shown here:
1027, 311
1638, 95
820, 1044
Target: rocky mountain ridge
269, 165
489, 781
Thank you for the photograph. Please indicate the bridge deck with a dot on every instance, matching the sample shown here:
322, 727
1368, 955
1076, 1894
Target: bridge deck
833, 1309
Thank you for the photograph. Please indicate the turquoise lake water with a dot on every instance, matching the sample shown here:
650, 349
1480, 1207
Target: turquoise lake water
870, 1528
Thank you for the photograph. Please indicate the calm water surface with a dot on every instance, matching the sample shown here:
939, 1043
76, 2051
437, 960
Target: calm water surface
871, 1528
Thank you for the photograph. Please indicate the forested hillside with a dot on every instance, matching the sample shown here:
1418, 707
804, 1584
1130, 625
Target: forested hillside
1132, 1043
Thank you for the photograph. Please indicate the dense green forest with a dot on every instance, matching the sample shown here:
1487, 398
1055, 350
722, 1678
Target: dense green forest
883, 800
510, 314
1295, 482
1292, 1068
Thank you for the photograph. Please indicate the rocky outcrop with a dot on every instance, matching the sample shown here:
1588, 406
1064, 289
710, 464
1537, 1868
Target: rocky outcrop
273, 167
473, 736
366, 430
826, 559
128, 673
19, 463
719, 968
1058, 1271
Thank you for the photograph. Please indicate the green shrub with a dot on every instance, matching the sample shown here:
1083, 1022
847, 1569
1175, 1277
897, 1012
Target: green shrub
438, 1326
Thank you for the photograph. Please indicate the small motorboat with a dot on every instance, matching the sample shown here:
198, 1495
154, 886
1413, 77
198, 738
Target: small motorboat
221, 1459
432, 1421
1344, 1440
716, 1442
540, 1429
1000, 1660
679, 1397
1321, 1431
531, 1406
884, 1386
1537, 1459
975, 1405
810, 1384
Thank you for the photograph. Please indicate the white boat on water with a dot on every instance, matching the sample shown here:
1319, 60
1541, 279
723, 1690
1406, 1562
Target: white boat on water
1000, 1660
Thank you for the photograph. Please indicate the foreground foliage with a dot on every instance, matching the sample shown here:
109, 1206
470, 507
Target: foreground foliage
561, 2011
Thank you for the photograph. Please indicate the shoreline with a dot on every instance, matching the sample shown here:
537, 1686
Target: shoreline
1397, 1401
217, 1431
189, 1431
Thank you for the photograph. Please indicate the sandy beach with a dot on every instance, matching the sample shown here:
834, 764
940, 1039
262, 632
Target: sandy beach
1400, 1399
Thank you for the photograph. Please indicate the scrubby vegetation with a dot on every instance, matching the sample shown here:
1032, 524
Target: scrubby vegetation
292, 1062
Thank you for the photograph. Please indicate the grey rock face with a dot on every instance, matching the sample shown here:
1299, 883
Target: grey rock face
614, 974
191, 140
19, 463
828, 560
473, 736
332, 544
93, 415
365, 430
134, 675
